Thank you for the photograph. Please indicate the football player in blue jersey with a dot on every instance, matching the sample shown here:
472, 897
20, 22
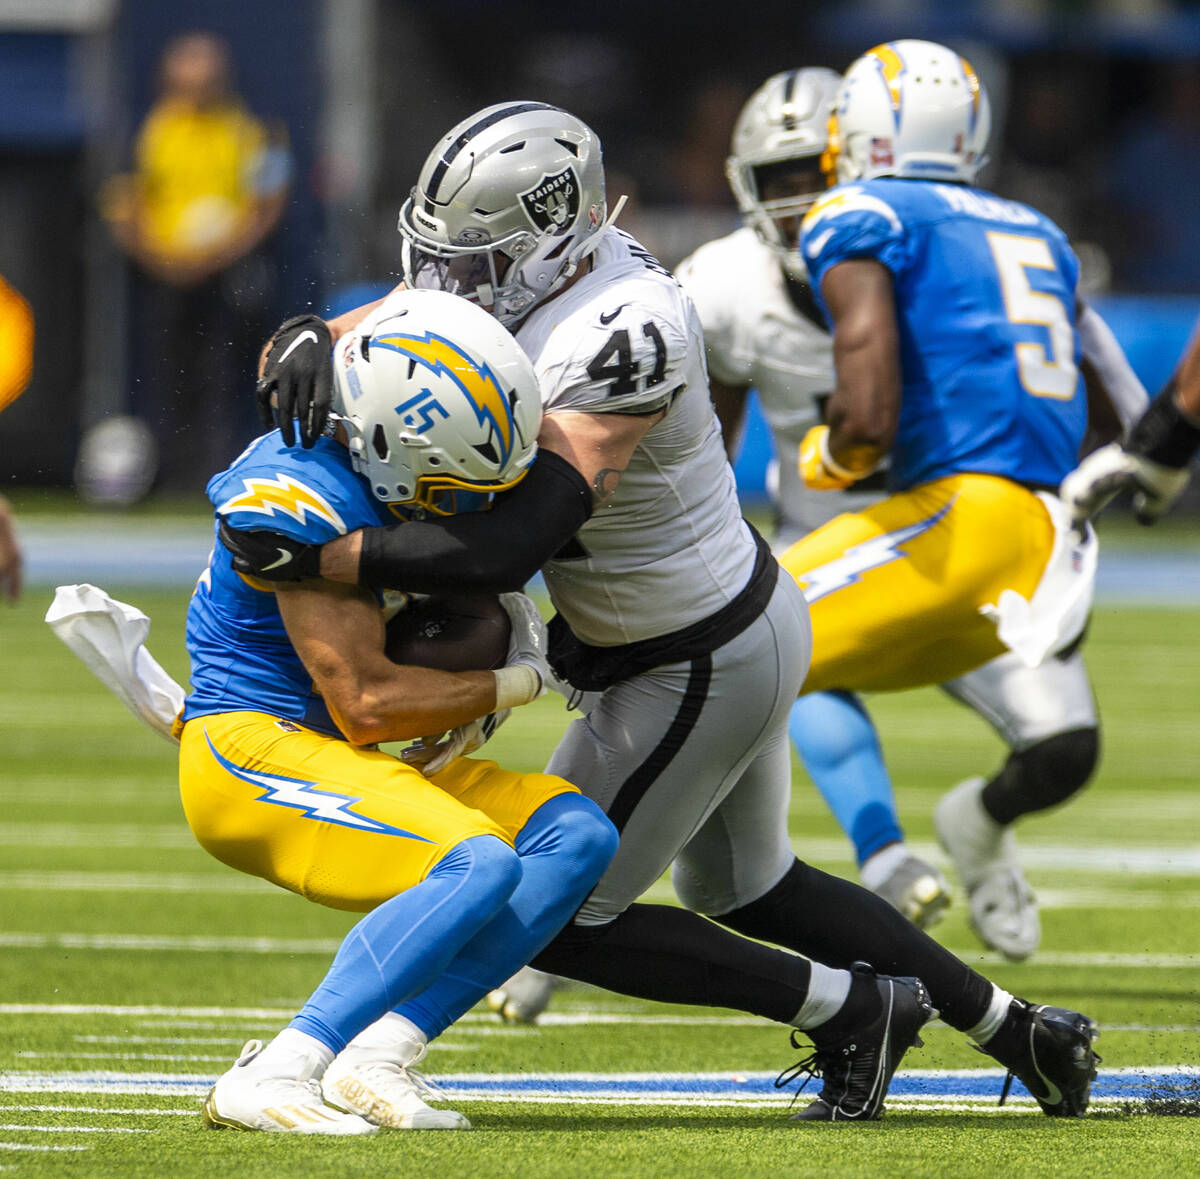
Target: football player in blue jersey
464, 870
661, 747
957, 345
763, 330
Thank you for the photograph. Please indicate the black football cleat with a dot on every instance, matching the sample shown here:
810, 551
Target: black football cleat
1049, 1050
858, 1068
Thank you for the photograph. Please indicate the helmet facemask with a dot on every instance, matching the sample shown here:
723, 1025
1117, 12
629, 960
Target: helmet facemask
773, 162
506, 208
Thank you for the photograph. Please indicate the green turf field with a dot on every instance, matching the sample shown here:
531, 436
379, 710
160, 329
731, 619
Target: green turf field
132, 967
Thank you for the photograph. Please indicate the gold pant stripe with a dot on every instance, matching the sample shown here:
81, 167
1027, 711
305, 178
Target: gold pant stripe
895, 590
341, 825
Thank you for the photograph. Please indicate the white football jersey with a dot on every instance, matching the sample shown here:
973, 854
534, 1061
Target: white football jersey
756, 337
669, 547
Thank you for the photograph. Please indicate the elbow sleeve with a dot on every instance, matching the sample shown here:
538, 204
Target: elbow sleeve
489, 552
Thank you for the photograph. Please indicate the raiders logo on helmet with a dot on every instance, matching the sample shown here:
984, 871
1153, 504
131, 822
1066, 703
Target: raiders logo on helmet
553, 203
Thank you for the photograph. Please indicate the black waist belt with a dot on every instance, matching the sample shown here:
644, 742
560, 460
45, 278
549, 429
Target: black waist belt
593, 669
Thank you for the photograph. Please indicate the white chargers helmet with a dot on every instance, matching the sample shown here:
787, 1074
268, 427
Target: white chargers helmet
506, 207
909, 108
778, 140
435, 397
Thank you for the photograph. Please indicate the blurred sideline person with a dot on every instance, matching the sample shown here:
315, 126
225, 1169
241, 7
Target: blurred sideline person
763, 329
1154, 463
209, 186
672, 623
16, 369
463, 869
956, 345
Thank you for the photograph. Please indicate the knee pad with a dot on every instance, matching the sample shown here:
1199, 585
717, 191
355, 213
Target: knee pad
488, 863
1044, 775
573, 829
1062, 764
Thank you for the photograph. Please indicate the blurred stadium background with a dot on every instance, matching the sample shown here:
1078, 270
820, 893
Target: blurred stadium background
1098, 107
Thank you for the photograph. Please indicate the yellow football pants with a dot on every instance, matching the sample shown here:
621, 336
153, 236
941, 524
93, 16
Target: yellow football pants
895, 590
344, 826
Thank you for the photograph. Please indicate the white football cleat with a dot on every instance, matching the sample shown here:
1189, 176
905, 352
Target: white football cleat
524, 997
918, 890
1003, 907
255, 1096
386, 1093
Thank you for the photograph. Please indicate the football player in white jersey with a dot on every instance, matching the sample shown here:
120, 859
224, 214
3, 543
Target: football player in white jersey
1155, 461
671, 613
763, 330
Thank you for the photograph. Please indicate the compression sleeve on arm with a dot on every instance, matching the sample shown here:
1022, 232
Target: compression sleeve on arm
1098, 345
490, 552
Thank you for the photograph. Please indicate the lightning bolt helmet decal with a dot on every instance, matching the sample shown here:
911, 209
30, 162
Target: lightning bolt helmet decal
436, 397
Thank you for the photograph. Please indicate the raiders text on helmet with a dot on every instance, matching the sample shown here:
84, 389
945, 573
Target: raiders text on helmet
435, 396
506, 207
909, 108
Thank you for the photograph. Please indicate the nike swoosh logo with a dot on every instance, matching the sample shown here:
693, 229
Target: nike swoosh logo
1053, 1092
607, 319
303, 338
817, 244
284, 558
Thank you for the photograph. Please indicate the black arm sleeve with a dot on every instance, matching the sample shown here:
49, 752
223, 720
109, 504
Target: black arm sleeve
489, 552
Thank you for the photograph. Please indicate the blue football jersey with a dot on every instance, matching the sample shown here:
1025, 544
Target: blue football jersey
986, 307
240, 653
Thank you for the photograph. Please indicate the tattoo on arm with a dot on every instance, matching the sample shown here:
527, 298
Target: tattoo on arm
605, 483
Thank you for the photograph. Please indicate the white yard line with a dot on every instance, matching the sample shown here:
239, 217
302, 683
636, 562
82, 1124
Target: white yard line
72, 1129
222, 1041
171, 1056
101, 1109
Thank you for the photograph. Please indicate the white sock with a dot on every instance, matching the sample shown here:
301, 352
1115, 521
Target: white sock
294, 1053
394, 1035
827, 991
877, 868
993, 1017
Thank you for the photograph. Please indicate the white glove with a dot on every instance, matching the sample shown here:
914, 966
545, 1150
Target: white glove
1112, 469
430, 756
527, 644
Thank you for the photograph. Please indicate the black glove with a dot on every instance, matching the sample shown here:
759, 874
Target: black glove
271, 556
299, 375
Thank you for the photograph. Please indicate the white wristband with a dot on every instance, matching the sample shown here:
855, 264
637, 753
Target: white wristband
836, 468
516, 685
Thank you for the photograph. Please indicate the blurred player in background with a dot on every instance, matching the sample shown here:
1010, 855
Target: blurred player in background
1154, 462
16, 369
763, 329
209, 187
956, 342
672, 617
464, 870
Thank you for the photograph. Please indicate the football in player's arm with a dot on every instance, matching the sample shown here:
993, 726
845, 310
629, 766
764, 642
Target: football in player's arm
664, 624
280, 773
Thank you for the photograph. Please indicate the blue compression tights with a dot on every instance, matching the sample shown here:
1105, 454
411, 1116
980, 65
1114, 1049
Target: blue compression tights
482, 912
401, 946
837, 742
564, 848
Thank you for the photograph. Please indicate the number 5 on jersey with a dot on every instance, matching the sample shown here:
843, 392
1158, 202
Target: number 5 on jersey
1043, 374
615, 362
